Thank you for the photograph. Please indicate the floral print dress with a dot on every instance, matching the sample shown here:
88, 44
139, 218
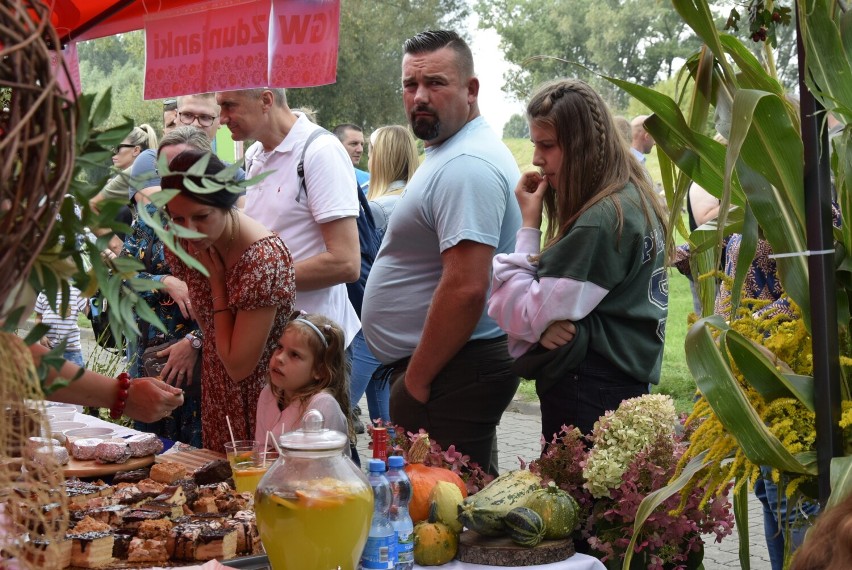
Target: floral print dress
263, 277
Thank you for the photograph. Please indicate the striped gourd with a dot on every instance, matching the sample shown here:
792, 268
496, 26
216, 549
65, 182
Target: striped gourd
557, 509
525, 526
484, 511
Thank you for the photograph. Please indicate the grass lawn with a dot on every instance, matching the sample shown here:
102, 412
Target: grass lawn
675, 378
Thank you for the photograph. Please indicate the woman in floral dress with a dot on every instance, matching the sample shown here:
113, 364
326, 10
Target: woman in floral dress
242, 307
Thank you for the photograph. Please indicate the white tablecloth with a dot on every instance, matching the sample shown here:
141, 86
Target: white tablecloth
576, 562
92, 421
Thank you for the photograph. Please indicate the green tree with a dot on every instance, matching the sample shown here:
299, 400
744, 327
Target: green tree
119, 61
516, 128
638, 40
368, 91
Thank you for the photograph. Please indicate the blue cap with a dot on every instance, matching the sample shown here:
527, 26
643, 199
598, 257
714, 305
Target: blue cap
396, 461
377, 466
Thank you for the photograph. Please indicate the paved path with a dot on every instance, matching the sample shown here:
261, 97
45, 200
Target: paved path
518, 438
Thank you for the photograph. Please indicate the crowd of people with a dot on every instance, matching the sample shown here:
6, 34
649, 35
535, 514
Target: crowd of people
462, 298
484, 274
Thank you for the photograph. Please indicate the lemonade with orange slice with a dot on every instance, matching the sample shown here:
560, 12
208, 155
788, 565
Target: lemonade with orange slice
247, 476
248, 468
315, 527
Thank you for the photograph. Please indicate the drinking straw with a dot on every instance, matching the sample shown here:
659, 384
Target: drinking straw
274, 444
231, 431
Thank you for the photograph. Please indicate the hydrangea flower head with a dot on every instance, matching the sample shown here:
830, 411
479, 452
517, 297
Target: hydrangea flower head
639, 424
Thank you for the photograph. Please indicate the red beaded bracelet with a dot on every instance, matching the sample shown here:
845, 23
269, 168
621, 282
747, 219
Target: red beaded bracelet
117, 410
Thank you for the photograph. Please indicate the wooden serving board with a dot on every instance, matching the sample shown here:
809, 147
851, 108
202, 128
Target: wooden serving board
91, 468
192, 460
501, 551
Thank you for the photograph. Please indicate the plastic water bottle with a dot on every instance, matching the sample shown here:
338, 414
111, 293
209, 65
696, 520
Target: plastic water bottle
399, 517
380, 550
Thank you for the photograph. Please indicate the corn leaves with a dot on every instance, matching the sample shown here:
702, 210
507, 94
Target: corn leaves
758, 178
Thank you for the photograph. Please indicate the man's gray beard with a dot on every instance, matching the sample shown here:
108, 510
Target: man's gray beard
426, 131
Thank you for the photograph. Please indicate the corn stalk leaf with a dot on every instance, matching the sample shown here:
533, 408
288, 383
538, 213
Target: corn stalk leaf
697, 14
720, 388
752, 74
763, 135
699, 156
830, 73
841, 480
741, 524
763, 375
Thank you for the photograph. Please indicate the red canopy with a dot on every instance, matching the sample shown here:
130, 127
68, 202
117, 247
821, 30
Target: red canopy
199, 46
89, 19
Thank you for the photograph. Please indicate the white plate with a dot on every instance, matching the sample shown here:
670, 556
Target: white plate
62, 413
90, 432
62, 427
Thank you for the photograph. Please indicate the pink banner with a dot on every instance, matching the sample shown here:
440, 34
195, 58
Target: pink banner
239, 44
69, 83
217, 46
304, 37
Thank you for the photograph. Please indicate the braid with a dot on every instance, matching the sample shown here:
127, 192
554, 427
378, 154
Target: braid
599, 121
598, 118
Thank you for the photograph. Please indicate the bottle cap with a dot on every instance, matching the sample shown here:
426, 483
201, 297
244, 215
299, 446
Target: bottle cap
377, 466
396, 461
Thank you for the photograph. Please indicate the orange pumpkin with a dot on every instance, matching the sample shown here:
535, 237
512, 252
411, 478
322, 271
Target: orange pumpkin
423, 478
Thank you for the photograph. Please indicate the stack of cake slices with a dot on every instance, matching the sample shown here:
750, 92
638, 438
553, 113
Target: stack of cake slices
150, 517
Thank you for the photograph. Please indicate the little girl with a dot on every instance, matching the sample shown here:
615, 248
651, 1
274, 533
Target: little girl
308, 370
63, 326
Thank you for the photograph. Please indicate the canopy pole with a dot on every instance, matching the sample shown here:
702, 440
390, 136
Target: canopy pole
823, 289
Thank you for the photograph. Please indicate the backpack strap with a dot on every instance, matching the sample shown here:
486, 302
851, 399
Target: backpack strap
300, 168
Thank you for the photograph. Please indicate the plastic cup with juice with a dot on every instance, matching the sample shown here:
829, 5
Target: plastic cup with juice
249, 463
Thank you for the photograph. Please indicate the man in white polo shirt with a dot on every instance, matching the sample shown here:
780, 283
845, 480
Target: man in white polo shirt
318, 223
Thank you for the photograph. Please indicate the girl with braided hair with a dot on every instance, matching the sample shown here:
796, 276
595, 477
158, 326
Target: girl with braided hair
586, 314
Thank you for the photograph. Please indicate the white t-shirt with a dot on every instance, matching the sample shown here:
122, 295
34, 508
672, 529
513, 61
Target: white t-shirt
331, 195
62, 328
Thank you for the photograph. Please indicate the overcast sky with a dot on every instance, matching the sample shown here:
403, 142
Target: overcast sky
488, 61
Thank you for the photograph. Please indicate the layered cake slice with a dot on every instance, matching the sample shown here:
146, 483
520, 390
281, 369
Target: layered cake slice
91, 549
43, 519
167, 509
91, 544
248, 538
112, 515
49, 553
136, 517
80, 492
172, 495
132, 476
215, 471
202, 541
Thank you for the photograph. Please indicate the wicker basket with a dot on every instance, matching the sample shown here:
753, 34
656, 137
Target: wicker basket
37, 134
